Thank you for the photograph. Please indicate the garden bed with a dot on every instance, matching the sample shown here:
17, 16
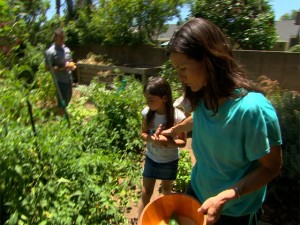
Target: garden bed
106, 73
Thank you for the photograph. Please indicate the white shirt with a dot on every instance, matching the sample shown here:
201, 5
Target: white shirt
157, 153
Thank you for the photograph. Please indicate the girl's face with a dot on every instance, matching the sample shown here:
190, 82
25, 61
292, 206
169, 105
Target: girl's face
155, 103
190, 71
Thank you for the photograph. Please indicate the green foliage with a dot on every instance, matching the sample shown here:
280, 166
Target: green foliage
289, 16
67, 176
286, 186
122, 22
23, 20
287, 105
55, 182
295, 48
169, 73
184, 171
119, 112
250, 25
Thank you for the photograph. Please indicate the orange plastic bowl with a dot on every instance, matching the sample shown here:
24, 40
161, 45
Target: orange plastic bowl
159, 211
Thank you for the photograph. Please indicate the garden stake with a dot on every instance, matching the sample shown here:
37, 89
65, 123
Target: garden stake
60, 98
121, 87
31, 117
32, 125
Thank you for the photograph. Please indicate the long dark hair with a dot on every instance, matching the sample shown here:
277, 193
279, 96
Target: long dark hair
158, 86
201, 40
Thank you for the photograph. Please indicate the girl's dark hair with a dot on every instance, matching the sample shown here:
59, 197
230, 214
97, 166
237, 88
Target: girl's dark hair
158, 86
201, 40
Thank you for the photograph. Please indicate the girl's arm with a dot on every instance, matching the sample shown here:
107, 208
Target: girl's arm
145, 134
269, 168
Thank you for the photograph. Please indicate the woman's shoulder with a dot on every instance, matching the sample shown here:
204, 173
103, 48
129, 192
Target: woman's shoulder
254, 101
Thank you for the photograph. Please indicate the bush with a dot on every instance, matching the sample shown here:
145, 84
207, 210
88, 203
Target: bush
279, 207
71, 176
184, 171
295, 48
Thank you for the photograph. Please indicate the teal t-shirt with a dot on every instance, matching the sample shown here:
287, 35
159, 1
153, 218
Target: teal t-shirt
227, 145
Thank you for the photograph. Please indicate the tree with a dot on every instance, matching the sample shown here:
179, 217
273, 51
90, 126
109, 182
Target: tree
119, 22
289, 16
20, 21
248, 23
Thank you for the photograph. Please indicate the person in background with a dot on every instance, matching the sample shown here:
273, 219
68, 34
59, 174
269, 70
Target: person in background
236, 136
58, 57
183, 104
161, 155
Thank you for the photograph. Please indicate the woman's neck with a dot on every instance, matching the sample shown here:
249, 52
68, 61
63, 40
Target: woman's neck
221, 101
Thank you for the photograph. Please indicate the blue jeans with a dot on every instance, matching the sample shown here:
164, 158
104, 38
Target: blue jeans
160, 171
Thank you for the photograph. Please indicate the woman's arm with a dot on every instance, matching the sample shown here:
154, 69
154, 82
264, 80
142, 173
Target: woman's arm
183, 127
179, 141
164, 141
269, 167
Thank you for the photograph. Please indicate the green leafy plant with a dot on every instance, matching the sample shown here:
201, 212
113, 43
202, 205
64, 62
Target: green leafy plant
184, 171
286, 186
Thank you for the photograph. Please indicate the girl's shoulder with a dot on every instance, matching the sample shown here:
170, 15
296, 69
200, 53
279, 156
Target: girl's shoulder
145, 111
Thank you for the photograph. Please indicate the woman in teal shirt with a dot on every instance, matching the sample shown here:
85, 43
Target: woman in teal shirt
236, 137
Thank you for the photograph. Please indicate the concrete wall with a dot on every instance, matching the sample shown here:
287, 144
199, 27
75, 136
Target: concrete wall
281, 66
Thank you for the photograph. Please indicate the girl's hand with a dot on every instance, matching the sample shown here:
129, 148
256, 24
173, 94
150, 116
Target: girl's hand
212, 209
160, 140
158, 131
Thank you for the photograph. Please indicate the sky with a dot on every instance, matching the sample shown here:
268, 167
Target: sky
280, 7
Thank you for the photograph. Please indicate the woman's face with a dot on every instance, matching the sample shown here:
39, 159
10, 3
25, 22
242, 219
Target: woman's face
190, 71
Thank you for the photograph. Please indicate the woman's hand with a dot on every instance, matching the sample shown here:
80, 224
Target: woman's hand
212, 208
161, 132
160, 140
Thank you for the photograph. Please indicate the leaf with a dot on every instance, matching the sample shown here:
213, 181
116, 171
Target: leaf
76, 193
63, 180
13, 219
79, 219
44, 222
18, 169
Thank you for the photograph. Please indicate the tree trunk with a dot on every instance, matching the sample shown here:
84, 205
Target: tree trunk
58, 7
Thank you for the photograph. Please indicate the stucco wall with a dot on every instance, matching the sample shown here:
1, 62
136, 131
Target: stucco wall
281, 66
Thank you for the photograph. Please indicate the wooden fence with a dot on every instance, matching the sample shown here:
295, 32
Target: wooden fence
87, 72
281, 66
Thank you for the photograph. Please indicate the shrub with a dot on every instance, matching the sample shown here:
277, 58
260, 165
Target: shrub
295, 48
286, 186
